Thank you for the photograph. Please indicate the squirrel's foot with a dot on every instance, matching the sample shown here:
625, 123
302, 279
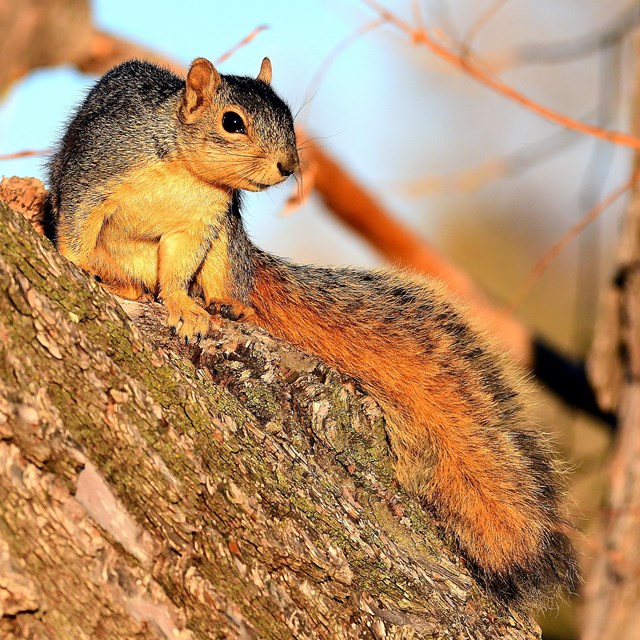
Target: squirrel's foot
187, 319
230, 309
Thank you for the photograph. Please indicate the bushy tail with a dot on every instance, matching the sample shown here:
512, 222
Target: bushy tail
497, 493
456, 420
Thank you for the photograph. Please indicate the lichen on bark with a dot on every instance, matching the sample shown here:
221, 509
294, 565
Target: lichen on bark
234, 489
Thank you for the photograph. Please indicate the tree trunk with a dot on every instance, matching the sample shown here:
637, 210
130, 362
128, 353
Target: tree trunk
612, 594
236, 489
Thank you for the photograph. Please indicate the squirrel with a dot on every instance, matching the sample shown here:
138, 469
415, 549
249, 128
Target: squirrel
144, 194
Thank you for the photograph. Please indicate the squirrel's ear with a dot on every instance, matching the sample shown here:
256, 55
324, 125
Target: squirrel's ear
265, 71
202, 81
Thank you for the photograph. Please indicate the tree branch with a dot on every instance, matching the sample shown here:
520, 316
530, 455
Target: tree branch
238, 489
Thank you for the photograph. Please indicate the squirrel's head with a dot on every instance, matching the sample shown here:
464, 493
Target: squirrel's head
235, 131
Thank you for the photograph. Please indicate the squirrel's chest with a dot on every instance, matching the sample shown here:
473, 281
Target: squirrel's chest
164, 198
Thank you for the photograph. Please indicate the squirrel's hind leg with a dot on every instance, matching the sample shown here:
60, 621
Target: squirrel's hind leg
131, 291
126, 268
115, 278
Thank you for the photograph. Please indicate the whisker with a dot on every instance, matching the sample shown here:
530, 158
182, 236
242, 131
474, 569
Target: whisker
245, 155
302, 106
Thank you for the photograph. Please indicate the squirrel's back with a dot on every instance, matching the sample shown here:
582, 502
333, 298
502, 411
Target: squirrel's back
125, 120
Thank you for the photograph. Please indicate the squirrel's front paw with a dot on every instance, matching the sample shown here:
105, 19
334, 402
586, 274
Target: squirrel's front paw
188, 320
231, 310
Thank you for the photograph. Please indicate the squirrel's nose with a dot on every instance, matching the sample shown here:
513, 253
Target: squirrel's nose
288, 167
285, 171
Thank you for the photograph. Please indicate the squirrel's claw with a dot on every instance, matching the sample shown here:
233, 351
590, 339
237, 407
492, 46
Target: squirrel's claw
187, 320
231, 310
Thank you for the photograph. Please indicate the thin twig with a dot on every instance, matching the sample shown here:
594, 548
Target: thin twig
416, 10
422, 37
511, 164
245, 41
479, 23
27, 153
340, 48
552, 253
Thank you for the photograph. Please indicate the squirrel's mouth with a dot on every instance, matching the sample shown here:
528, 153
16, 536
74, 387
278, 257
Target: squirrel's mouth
254, 185
260, 186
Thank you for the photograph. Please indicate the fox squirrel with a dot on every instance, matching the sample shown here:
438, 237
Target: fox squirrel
144, 195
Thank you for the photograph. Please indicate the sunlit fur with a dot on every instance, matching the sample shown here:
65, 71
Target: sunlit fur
456, 418
248, 160
143, 190
144, 174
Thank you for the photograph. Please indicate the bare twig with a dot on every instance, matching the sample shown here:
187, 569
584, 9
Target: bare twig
340, 48
245, 41
305, 186
421, 37
509, 165
107, 50
416, 10
27, 153
550, 255
479, 23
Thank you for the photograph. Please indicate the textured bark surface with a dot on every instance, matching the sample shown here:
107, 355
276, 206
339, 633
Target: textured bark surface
612, 593
238, 489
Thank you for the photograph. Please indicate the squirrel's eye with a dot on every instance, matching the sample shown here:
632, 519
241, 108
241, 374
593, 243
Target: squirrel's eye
233, 123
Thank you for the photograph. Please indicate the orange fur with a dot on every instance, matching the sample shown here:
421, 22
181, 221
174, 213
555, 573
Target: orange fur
153, 232
443, 455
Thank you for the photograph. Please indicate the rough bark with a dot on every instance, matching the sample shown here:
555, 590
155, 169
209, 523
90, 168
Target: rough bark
237, 489
612, 593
